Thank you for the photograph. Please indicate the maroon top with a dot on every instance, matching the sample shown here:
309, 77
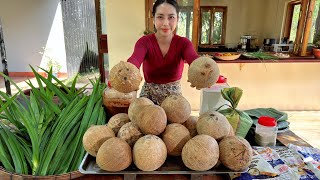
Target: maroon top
158, 69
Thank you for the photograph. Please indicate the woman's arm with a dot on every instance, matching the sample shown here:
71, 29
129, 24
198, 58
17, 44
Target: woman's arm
139, 53
188, 52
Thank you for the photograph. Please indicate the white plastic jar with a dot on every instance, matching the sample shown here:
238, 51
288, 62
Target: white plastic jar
266, 131
211, 98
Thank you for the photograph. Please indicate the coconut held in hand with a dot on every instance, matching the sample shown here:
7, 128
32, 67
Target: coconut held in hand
125, 77
203, 72
235, 152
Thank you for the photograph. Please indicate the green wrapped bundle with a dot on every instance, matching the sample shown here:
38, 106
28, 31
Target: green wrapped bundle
239, 120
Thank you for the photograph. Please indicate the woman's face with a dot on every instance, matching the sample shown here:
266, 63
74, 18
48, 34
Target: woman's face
165, 19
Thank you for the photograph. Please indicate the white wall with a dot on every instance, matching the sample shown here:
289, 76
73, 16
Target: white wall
29, 26
126, 23
285, 86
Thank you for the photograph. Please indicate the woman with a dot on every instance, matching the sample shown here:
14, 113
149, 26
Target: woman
163, 54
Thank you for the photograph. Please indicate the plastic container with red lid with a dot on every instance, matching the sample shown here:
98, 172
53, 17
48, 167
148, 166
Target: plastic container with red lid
266, 131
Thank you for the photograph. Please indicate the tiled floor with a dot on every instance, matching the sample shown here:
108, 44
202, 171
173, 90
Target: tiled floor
305, 124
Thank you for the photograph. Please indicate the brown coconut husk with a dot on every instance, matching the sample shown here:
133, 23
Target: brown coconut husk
203, 72
235, 152
95, 136
125, 77
149, 153
130, 133
152, 119
117, 121
114, 155
134, 107
191, 125
177, 108
213, 124
175, 137
200, 153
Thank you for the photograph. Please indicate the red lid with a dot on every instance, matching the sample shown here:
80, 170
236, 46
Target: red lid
267, 121
221, 79
109, 84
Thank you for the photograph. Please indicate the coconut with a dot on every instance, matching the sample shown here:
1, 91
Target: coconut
213, 124
114, 155
95, 136
117, 121
175, 137
149, 153
203, 72
191, 125
130, 133
133, 108
200, 153
125, 77
152, 119
235, 152
177, 108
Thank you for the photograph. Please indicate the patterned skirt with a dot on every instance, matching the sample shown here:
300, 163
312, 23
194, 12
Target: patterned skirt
158, 92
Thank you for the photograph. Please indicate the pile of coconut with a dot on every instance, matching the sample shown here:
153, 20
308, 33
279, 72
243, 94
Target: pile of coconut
149, 134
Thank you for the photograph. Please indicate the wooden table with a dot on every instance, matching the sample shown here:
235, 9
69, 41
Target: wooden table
284, 138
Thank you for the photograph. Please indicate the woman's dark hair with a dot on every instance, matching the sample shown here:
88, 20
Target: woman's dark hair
159, 2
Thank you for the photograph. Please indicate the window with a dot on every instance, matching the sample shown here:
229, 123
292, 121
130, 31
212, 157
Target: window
213, 26
184, 27
292, 18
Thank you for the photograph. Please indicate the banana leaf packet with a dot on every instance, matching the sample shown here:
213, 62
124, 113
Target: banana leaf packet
239, 120
280, 116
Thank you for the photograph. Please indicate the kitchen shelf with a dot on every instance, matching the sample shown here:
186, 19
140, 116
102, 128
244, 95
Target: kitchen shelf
292, 59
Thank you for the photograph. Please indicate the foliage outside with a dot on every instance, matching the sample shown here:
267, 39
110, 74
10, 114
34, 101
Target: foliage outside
50, 61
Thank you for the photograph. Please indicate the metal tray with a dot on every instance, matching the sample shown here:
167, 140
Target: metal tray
173, 165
